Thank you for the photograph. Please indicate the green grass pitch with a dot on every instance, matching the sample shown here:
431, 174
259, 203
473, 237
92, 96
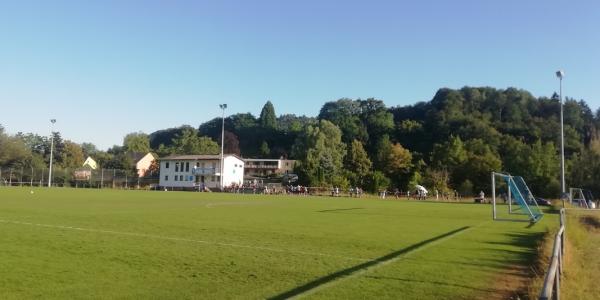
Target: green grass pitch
76, 243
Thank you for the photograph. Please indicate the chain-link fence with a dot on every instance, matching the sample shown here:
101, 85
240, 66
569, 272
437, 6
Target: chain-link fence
80, 178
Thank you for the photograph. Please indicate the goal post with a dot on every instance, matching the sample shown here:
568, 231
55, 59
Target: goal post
582, 198
517, 192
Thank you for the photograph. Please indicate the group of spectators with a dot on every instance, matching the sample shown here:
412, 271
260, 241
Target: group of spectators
352, 192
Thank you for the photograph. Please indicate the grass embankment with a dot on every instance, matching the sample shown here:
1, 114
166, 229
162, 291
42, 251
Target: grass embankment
582, 258
582, 268
78, 243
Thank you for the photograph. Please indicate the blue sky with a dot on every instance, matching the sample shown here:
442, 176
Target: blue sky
107, 68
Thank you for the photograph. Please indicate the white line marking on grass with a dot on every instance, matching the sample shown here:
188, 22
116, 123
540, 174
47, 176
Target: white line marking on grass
152, 236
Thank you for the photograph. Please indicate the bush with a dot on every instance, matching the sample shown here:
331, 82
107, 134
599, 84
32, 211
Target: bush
466, 188
376, 182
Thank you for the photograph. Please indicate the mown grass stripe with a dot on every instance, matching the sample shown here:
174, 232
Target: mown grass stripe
152, 236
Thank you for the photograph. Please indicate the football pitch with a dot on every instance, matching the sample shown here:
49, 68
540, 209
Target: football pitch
77, 243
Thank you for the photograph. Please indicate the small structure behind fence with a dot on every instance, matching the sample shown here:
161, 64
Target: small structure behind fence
79, 178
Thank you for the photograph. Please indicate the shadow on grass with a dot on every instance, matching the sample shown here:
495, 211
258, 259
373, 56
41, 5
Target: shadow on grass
590, 221
513, 220
340, 209
528, 241
489, 263
439, 283
345, 272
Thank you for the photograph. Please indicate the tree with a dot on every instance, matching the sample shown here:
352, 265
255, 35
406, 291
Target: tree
138, 142
481, 161
382, 155
267, 119
450, 154
399, 160
345, 113
585, 168
72, 156
89, 149
232, 144
264, 149
188, 142
13, 151
321, 153
376, 118
377, 181
293, 124
542, 166
357, 162
165, 137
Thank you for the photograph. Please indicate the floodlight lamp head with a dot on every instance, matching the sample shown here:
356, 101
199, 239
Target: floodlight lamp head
223, 106
560, 74
53, 121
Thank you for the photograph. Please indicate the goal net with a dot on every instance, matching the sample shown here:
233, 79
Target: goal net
517, 196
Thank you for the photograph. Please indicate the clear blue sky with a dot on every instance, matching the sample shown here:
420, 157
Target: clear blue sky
113, 67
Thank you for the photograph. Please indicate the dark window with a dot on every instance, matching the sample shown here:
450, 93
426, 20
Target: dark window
175, 177
176, 167
187, 166
167, 177
166, 165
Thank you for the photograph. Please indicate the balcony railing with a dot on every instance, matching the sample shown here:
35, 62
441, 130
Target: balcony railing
205, 171
261, 167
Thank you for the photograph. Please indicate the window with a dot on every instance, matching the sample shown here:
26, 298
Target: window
214, 165
187, 166
197, 164
212, 178
167, 176
176, 167
180, 177
166, 165
175, 177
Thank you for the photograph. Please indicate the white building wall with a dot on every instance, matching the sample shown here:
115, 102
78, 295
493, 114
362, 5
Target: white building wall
179, 177
168, 175
233, 171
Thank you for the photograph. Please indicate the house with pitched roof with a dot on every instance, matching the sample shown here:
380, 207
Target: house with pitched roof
141, 162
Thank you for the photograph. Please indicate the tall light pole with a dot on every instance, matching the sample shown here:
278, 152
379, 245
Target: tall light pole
560, 74
223, 107
51, 151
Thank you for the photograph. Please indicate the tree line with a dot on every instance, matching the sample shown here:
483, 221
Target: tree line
451, 142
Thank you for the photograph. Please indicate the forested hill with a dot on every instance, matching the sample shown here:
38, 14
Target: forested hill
451, 142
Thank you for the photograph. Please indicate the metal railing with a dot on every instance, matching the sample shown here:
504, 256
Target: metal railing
262, 166
551, 289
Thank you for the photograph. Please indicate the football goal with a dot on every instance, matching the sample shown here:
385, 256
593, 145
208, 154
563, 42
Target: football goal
582, 198
515, 193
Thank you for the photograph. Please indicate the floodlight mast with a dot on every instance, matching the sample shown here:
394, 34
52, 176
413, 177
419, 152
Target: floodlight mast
560, 74
223, 107
51, 151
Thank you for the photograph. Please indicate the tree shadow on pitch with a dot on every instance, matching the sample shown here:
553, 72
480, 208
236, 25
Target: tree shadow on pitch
345, 272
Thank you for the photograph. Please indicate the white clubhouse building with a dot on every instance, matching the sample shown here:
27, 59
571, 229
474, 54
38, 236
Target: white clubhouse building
198, 171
